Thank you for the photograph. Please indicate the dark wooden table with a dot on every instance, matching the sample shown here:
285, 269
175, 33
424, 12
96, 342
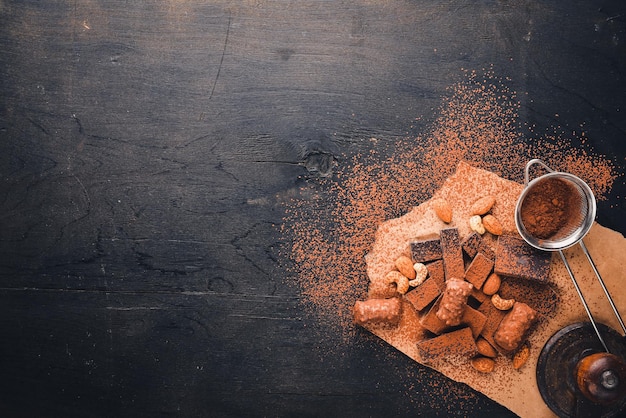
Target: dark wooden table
142, 145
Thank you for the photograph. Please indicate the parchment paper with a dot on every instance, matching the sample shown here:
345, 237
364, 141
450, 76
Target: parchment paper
515, 389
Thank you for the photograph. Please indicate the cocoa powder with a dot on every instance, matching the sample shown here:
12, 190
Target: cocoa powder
548, 206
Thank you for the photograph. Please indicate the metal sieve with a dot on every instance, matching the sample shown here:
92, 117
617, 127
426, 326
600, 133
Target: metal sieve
579, 218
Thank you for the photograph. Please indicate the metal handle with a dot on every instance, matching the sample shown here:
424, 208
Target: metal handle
582, 299
530, 164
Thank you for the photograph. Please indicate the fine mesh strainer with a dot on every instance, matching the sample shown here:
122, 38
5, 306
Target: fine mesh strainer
576, 216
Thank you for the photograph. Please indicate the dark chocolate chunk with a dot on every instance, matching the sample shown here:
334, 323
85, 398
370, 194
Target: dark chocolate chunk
515, 258
474, 243
426, 250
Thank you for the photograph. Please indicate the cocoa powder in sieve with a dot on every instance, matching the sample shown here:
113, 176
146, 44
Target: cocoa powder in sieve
548, 207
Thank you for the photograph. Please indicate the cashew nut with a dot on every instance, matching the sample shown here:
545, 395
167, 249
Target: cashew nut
502, 304
401, 281
476, 224
421, 272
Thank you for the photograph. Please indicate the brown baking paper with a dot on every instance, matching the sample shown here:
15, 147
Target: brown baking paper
515, 389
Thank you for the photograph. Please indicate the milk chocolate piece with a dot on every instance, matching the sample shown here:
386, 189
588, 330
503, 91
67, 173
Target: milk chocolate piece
424, 294
376, 311
456, 343
515, 258
479, 270
453, 264
514, 325
474, 243
454, 301
426, 250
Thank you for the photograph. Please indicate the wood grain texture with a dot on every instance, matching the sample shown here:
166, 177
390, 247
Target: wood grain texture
145, 148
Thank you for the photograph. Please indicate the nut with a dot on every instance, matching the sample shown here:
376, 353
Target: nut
483, 364
521, 356
401, 281
405, 266
492, 284
502, 304
492, 224
421, 272
442, 210
476, 224
482, 205
485, 348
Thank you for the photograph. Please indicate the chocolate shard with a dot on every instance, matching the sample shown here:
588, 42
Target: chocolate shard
426, 250
515, 258
459, 343
479, 270
453, 264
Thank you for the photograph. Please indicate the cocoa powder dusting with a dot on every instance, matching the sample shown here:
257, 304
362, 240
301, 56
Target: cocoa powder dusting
548, 207
331, 229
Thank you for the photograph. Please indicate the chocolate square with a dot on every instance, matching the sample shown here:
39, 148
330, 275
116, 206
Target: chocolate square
479, 270
426, 250
515, 258
453, 264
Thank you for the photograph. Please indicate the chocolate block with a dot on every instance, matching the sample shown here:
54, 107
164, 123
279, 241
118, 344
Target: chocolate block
474, 243
453, 264
539, 295
493, 318
435, 271
426, 250
515, 258
479, 270
424, 294
459, 343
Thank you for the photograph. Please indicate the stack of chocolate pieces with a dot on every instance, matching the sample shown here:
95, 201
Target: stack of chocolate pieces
523, 271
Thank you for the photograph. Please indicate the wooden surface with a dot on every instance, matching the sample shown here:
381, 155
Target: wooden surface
142, 147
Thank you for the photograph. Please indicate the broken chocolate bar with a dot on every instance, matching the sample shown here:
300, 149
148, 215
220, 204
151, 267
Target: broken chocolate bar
426, 250
473, 244
424, 294
453, 264
515, 258
456, 343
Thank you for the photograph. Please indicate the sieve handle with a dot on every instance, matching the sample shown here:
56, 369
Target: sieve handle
530, 164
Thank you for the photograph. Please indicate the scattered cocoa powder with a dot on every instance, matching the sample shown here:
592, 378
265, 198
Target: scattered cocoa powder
331, 228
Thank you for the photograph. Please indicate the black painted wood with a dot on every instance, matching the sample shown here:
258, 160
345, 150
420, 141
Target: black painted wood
144, 150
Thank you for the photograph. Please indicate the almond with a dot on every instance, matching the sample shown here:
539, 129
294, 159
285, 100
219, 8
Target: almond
492, 224
442, 210
405, 266
483, 364
482, 205
521, 356
485, 348
492, 284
